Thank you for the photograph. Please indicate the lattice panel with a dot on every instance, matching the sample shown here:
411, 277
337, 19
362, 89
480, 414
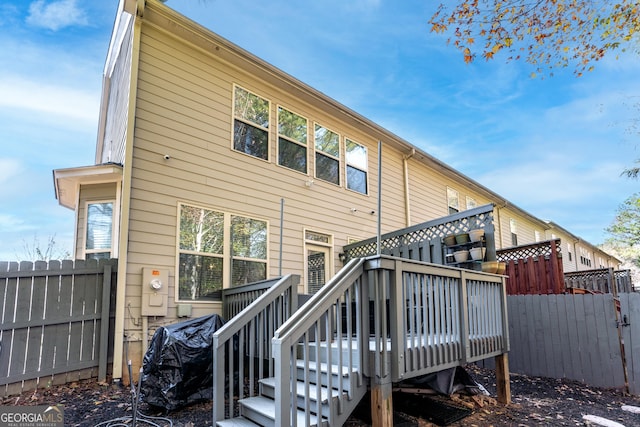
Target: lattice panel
418, 234
529, 251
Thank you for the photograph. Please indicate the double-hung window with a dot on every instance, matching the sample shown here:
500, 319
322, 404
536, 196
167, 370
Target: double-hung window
327, 146
453, 201
99, 230
292, 140
218, 250
356, 158
471, 203
250, 124
513, 227
248, 250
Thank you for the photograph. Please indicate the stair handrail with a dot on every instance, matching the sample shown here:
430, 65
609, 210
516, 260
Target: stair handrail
278, 303
315, 311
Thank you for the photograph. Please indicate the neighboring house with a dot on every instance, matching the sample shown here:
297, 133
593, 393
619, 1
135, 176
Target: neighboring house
204, 150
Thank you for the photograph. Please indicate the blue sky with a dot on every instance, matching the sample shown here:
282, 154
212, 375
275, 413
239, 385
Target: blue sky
554, 146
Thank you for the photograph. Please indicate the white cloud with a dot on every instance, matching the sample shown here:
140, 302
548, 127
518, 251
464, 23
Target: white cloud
56, 15
9, 169
13, 223
71, 103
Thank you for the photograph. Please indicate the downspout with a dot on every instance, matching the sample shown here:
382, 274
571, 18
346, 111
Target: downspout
407, 195
499, 224
123, 237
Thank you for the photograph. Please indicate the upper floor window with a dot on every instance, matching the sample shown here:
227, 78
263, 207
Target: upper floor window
250, 124
356, 157
513, 227
99, 230
218, 250
292, 140
585, 257
536, 235
327, 148
453, 201
471, 203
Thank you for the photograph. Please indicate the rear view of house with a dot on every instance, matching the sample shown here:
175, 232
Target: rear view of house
214, 169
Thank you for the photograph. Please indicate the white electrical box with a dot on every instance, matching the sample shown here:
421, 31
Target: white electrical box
155, 291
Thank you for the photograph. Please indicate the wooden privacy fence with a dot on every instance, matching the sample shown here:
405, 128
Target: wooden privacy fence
580, 337
55, 322
534, 269
605, 280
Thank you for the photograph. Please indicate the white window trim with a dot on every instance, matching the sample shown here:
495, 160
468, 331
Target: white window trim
226, 249
233, 119
342, 148
457, 198
293, 141
473, 202
114, 227
347, 164
309, 244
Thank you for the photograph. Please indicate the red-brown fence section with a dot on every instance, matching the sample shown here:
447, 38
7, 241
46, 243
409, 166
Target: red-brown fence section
534, 269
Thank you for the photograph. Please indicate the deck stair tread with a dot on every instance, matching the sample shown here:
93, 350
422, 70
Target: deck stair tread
267, 408
301, 390
335, 370
236, 422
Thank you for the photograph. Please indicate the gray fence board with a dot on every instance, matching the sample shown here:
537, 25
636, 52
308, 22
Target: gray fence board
589, 332
630, 306
573, 336
55, 320
553, 338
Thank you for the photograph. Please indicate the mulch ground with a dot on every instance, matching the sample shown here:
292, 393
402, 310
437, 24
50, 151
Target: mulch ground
535, 402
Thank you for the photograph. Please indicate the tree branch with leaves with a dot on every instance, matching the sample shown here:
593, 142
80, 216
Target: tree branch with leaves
545, 33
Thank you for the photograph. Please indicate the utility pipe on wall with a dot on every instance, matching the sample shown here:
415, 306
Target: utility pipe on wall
378, 248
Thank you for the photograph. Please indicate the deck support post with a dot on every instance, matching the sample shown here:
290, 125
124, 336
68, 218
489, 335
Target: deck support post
382, 402
503, 383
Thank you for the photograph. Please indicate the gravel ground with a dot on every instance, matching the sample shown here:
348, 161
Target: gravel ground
535, 402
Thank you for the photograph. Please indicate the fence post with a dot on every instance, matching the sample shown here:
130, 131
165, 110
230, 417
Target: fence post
503, 384
104, 323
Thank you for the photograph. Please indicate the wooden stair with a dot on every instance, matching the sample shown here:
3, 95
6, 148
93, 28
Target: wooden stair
321, 402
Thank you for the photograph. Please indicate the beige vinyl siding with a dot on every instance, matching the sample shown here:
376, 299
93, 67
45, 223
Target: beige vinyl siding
567, 265
428, 193
525, 228
90, 193
184, 110
116, 116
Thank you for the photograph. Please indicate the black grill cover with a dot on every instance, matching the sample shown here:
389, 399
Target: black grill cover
177, 367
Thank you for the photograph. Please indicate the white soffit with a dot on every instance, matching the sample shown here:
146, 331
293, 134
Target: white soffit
67, 182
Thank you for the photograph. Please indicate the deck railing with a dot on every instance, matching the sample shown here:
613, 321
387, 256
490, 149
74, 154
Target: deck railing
440, 316
426, 318
326, 331
423, 242
242, 347
380, 317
